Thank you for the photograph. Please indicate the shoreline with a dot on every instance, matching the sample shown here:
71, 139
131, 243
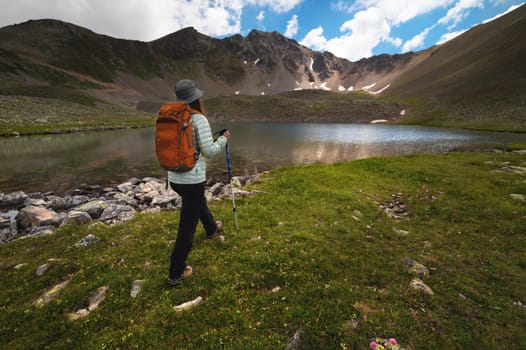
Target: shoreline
38, 213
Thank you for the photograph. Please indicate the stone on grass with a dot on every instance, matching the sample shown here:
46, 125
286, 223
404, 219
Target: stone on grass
136, 288
94, 208
86, 241
295, 342
50, 294
415, 266
32, 217
418, 285
93, 303
518, 196
42, 269
77, 217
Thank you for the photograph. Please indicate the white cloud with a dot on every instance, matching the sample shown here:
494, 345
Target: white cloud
371, 24
417, 41
449, 36
315, 39
458, 12
512, 8
141, 19
261, 16
279, 6
292, 27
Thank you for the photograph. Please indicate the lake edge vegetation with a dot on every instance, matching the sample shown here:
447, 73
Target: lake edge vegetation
324, 251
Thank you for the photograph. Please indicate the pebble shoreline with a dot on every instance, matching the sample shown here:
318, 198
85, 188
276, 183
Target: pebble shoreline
23, 215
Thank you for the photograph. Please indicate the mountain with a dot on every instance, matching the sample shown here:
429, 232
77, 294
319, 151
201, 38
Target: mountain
446, 81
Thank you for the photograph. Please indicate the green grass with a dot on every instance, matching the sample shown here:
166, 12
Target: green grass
39, 110
298, 235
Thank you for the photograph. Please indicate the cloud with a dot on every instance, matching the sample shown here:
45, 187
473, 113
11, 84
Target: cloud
261, 16
142, 20
417, 41
315, 39
512, 8
449, 36
371, 23
278, 6
458, 12
292, 27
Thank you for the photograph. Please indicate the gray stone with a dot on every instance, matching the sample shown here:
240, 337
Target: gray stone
415, 266
77, 217
123, 198
86, 241
117, 212
14, 200
94, 208
42, 269
165, 198
418, 285
518, 196
136, 288
32, 217
66, 203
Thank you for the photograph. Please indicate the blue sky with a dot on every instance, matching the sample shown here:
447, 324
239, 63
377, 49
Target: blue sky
349, 29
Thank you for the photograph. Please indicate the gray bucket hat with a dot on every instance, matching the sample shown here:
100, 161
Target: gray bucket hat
186, 90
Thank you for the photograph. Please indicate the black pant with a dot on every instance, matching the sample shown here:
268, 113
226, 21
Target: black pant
193, 209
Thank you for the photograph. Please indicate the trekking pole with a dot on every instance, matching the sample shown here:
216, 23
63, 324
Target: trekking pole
231, 187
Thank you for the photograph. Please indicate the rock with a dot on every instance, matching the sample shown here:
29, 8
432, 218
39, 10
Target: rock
8, 227
41, 213
123, 198
19, 266
188, 305
117, 212
418, 285
86, 241
50, 294
14, 200
295, 342
77, 217
165, 198
128, 185
94, 208
93, 303
401, 233
32, 217
136, 288
518, 196
42, 269
415, 266
357, 215
65, 203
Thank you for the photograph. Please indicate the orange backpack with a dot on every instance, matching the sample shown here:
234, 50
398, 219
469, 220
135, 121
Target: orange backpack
174, 141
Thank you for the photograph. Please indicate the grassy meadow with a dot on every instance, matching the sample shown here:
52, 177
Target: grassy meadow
316, 253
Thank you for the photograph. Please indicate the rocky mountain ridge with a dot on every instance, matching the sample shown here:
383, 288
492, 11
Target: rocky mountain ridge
479, 73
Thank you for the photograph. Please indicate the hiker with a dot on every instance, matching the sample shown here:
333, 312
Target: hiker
190, 185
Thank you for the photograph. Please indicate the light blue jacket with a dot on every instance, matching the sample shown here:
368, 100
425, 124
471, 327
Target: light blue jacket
207, 148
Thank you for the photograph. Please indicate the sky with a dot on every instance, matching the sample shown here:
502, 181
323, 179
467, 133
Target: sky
349, 29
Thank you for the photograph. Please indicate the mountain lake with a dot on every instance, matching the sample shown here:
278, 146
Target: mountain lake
61, 163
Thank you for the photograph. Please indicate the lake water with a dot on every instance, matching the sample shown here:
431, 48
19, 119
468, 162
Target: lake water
63, 162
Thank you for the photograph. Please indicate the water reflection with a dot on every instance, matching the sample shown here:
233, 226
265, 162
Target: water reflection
63, 162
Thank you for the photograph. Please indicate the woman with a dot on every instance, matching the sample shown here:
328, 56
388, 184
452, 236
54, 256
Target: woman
190, 185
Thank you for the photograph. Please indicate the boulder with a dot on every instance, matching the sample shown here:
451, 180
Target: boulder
117, 212
32, 217
86, 241
94, 208
77, 217
14, 200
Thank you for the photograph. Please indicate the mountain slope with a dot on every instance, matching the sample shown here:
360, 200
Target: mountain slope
480, 73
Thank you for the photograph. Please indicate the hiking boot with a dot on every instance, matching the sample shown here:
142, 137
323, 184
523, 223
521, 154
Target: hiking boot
188, 271
218, 233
